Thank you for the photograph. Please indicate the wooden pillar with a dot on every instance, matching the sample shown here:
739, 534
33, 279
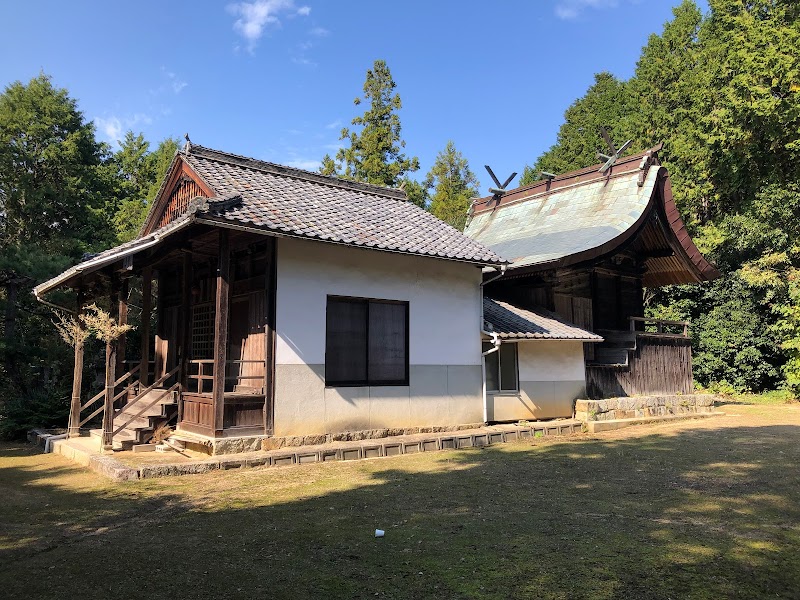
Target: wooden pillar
221, 329
160, 359
123, 320
147, 309
111, 363
73, 428
269, 338
185, 344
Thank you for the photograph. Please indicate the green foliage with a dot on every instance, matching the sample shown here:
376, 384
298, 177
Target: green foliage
454, 185
608, 103
62, 194
375, 151
139, 173
723, 93
44, 407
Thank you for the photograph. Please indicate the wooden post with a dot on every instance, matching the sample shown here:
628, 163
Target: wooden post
111, 363
186, 321
73, 428
221, 330
147, 309
123, 320
269, 338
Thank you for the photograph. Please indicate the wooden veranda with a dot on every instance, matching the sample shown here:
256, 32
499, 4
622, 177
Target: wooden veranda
210, 355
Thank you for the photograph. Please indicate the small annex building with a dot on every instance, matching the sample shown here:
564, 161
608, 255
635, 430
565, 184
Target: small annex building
286, 303
566, 320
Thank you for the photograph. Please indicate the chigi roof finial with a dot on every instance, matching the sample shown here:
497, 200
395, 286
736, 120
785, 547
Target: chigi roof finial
188, 146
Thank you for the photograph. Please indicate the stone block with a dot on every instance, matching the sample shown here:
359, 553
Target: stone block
496, 437
465, 441
258, 461
430, 445
480, 439
351, 453
411, 447
329, 455
392, 449
511, 436
283, 459
372, 451
448, 443
232, 463
307, 457
525, 434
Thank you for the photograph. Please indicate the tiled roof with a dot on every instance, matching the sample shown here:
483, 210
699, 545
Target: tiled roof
113, 254
512, 322
304, 204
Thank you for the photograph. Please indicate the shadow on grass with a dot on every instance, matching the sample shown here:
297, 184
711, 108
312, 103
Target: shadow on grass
708, 513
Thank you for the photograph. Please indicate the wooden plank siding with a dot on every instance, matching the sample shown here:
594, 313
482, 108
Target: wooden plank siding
658, 366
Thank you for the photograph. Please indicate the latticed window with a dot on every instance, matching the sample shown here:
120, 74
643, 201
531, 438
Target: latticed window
203, 331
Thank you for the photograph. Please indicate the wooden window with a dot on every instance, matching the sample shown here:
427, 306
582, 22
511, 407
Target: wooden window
501, 368
366, 342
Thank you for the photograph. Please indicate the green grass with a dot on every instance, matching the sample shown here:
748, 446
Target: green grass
700, 510
774, 397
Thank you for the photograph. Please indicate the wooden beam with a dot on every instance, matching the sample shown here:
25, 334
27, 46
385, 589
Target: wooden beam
221, 329
73, 429
111, 363
147, 309
269, 337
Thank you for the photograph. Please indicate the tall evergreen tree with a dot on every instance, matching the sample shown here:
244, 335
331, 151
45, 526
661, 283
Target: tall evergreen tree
453, 184
54, 205
140, 173
375, 151
608, 103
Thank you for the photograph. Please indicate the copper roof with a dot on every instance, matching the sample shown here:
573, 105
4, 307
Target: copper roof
299, 203
585, 215
514, 323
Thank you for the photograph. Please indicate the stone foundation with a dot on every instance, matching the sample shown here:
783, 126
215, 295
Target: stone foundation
637, 407
239, 445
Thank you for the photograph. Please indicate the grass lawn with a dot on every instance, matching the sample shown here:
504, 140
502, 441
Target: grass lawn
693, 509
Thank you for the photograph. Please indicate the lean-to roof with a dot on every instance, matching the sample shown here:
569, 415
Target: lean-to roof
511, 322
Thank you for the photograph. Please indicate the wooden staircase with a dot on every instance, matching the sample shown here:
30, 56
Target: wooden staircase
141, 416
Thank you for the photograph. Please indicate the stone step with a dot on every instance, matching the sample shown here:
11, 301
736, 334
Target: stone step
613, 424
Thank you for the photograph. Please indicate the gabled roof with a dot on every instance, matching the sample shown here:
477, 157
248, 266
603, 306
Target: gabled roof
293, 202
511, 322
586, 216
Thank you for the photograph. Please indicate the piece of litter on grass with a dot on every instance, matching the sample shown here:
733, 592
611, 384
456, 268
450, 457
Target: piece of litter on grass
379, 532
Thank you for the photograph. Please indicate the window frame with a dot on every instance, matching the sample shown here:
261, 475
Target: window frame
515, 389
366, 382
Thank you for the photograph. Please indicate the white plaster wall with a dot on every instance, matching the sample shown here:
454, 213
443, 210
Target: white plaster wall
444, 300
551, 377
551, 360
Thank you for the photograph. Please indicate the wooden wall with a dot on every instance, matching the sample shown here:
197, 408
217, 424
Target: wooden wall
659, 365
184, 192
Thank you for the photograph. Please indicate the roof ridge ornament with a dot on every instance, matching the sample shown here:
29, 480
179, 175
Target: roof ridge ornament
501, 188
187, 147
615, 153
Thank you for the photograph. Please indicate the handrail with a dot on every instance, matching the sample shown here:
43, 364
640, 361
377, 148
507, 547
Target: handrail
143, 410
659, 323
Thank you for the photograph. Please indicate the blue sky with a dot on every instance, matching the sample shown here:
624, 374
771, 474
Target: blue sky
276, 79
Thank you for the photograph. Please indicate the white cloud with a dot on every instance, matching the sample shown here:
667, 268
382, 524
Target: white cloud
113, 128
572, 9
319, 32
254, 17
334, 124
